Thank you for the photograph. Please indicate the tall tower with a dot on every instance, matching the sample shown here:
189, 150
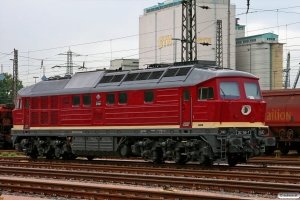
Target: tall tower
219, 44
70, 55
189, 33
286, 73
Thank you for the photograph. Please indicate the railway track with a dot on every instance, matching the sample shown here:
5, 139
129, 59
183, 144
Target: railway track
69, 190
91, 165
182, 179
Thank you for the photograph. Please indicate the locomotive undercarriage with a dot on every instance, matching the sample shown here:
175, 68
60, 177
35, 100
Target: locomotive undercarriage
206, 150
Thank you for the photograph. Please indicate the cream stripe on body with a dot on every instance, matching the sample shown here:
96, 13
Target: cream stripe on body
195, 125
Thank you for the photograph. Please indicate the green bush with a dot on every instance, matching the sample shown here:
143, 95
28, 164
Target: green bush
12, 154
4, 153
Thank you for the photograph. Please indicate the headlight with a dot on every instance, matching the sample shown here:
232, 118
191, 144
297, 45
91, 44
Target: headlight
223, 131
246, 109
264, 131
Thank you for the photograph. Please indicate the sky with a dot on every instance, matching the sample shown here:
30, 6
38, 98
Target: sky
101, 30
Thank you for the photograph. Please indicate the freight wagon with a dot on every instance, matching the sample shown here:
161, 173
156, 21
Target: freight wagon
283, 119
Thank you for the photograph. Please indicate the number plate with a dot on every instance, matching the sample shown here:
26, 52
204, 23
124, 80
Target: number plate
243, 132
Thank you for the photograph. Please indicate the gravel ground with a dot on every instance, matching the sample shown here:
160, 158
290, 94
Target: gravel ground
15, 196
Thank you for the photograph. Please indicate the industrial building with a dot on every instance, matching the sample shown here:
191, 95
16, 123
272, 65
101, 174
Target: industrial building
160, 32
124, 64
260, 55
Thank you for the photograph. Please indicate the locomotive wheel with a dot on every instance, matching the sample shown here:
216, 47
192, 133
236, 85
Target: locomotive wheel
33, 155
90, 158
232, 160
49, 156
269, 150
207, 162
181, 161
284, 150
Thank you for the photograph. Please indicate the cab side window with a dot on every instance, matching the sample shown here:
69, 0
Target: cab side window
205, 93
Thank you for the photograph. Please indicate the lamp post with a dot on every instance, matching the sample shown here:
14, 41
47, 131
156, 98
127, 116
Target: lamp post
14, 87
175, 45
35, 79
274, 72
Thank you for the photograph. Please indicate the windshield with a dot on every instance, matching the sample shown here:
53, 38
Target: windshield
229, 90
252, 91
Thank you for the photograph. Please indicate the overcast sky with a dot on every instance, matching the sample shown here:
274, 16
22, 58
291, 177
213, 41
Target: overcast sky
101, 30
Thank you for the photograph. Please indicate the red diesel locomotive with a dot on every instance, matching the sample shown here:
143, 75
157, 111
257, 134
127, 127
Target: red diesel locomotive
177, 113
283, 119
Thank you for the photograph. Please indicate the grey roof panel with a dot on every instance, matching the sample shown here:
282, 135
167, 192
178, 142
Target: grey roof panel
50, 85
85, 80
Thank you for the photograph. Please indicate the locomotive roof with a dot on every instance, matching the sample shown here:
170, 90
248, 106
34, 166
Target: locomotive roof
141, 79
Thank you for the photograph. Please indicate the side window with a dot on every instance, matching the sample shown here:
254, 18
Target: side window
87, 100
205, 93
110, 98
149, 96
211, 93
65, 101
19, 103
76, 100
122, 98
186, 95
27, 103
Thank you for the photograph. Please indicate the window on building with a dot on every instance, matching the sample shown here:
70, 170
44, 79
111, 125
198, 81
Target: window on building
186, 95
76, 100
149, 96
110, 98
205, 93
123, 98
87, 100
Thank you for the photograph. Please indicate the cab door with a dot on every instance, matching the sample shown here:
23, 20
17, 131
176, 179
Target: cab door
26, 114
186, 112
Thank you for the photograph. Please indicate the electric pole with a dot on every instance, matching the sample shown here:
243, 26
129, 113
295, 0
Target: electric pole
70, 55
228, 37
188, 37
15, 77
219, 44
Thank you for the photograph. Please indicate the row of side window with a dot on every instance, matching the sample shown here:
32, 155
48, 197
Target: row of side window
122, 97
86, 100
203, 94
110, 98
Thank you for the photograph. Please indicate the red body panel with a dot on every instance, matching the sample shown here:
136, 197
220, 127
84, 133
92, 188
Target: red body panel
168, 108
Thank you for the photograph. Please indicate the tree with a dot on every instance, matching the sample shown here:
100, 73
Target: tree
6, 88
